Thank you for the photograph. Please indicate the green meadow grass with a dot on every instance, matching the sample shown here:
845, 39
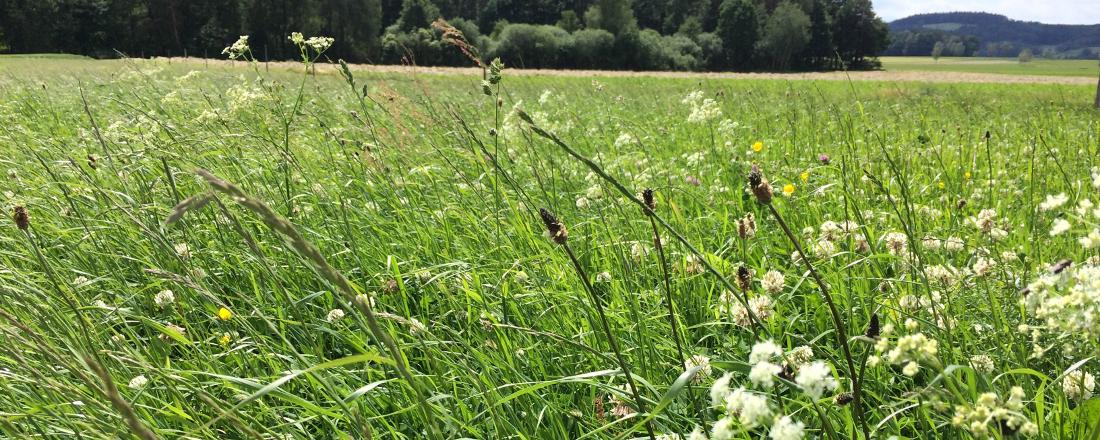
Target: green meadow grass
1010, 66
423, 194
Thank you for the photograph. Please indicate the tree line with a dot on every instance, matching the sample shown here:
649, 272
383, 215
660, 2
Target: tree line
595, 34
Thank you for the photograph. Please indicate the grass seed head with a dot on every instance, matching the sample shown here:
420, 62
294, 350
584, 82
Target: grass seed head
22, 219
553, 226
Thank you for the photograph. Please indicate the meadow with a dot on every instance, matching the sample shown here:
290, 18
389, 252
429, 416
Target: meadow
1037, 66
220, 251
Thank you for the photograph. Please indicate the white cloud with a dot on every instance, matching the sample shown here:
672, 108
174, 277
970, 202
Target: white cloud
1056, 11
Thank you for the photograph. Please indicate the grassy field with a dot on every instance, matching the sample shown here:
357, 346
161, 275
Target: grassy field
1037, 66
230, 252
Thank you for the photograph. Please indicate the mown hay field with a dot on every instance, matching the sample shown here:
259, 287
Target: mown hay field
230, 251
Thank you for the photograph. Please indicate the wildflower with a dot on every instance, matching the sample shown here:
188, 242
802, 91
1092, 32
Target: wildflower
983, 266
224, 314
896, 242
1090, 241
1078, 385
966, 175
763, 373
334, 315
1059, 227
720, 389
985, 220
785, 428
22, 219
723, 429
638, 251
815, 379
799, 356
805, 176
823, 158
182, 250
320, 44
788, 189
910, 369
138, 382
764, 351
238, 48
164, 298
296, 38
625, 139
823, 248
772, 282
603, 277
982, 363
583, 203
704, 111
225, 339
697, 434
1053, 202
701, 361
758, 146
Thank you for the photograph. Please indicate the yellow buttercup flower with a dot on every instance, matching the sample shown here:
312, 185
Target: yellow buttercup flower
225, 339
940, 184
805, 176
758, 146
788, 189
224, 314
966, 175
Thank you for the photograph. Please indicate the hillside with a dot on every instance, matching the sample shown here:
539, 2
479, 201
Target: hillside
992, 35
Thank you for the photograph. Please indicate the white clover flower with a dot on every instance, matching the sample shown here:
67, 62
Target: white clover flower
754, 410
763, 374
334, 315
772, 282
138, 382
603, 277
815, 379
1090, 241
764, 351
896, 242
985, 220
785, 428
823, 248
182, 250
164, 298
583, 203
638, 250
697, 434
701, 361
1053, 202
1059, 226
982, 363
1078, 385
799, 355
625, 139
720, 389
954, 244
723, 429
983, 266
911, 368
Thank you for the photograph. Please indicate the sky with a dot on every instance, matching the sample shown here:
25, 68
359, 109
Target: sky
1045, 11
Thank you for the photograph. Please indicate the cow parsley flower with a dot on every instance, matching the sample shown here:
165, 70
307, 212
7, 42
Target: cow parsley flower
237, 49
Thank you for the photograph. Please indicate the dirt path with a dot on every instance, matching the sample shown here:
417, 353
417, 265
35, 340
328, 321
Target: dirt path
878, 75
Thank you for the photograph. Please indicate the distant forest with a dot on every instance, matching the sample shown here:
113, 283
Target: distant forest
590, 34
983, 34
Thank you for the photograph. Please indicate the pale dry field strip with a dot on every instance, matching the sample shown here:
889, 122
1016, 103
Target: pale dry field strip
878, 75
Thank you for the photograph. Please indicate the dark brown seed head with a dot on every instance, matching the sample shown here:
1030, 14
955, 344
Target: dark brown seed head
760, 186
553, 226
843, 399
390, 286
91, 161
1060, 266
872, 328
647, 197
787, 373
22, 219
744, 278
